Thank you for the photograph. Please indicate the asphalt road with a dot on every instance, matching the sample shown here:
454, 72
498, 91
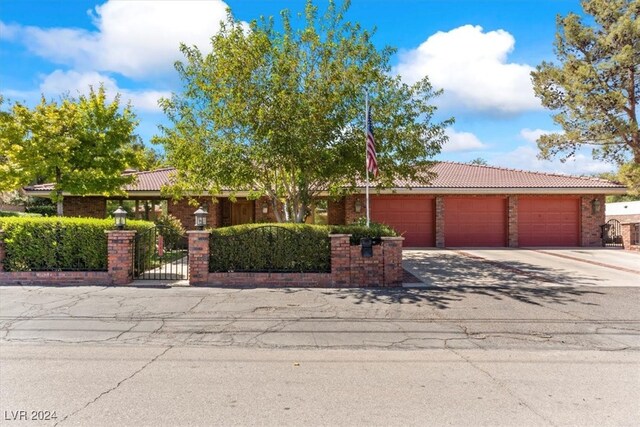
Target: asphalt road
489, 341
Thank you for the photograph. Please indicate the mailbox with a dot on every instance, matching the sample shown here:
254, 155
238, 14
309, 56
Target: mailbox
366, 247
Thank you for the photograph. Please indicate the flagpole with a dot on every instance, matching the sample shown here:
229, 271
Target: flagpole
366, 142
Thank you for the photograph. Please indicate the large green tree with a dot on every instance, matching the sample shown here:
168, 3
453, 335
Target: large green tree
279, 111
595, 87
81, 145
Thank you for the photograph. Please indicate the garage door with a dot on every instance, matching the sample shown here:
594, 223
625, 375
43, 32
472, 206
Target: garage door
548, 221
413, 217
475, 221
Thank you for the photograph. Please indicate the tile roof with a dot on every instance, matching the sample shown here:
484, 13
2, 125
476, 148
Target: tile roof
450, 175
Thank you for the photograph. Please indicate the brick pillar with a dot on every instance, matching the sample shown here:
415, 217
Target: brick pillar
440, 222
198, 257
392, 259
340, 260
120, 256
512, 221
592, 217
2, 252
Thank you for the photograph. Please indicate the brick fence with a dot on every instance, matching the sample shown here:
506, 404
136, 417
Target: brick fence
631, 236
119, 266
348, 267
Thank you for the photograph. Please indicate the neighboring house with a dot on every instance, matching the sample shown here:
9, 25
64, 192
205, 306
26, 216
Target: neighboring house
465, 205
623, 211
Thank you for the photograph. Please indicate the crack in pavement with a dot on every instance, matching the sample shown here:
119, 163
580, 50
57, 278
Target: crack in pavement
104, 393
502, 385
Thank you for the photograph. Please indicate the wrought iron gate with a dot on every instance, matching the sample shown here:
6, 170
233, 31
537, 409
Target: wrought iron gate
160, 253
611, 234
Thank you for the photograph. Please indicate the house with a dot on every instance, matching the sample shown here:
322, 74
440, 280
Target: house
623, 211
465, 205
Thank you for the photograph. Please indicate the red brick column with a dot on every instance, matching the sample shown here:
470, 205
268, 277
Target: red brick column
628, 241
340, 260
392, 258
440, 222
2, 252
198, 257
350, 214
120, 256
591, 219
512, 220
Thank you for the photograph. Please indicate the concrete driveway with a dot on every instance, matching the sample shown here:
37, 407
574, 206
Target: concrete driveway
506, 267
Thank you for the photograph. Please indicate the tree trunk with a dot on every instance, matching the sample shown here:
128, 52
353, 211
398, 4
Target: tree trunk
59, 206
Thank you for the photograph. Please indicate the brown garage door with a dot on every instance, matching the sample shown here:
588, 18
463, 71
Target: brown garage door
548, 221
412, 216
475, 221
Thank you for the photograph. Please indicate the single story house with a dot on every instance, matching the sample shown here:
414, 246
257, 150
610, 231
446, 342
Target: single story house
465, 205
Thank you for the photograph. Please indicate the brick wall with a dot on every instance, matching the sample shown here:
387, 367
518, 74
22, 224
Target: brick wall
90, 206
119, 269
440, 241
630, 236
182, 210
348, 267
350, 214
335, 211
590, 220
259, 215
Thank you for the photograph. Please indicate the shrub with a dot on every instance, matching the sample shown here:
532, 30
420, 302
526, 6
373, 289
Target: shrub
270, 247
44, 210
357, 231
9, 214
171, 230
58, 243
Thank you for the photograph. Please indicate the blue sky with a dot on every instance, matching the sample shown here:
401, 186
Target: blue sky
479, 51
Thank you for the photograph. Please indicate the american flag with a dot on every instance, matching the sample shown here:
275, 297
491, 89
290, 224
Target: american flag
372, 162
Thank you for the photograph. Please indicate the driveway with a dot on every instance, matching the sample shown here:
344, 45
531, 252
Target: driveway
505, 267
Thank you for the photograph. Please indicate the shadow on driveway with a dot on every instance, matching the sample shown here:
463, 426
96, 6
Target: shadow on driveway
452, 276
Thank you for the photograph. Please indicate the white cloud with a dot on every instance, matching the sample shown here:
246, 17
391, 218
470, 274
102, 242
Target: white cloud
471, 66
73, 82
461, 141
133, 38
8, 31
532, 135
525, 157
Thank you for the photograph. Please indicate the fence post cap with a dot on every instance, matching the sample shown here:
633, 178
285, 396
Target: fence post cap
198, 232
339, 235
131, 232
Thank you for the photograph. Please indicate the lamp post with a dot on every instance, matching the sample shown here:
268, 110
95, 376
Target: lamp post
201, 218
120, 218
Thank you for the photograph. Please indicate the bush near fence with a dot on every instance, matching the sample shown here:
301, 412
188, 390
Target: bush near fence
13, 214
58, 243
281, 247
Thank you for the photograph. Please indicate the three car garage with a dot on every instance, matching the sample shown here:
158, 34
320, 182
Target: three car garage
482, 206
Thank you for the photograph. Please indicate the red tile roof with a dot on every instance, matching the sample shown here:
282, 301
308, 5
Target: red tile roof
450, 175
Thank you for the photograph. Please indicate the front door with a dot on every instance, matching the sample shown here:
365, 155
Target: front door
242, 212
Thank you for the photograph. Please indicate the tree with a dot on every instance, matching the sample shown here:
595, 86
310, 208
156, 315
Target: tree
478, 161
81, 145
280, 113
594, 91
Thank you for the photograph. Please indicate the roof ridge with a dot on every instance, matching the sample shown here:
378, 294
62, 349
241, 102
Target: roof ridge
557, 174
153, 171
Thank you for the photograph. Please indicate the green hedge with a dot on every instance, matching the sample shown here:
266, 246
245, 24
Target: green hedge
44, 210
375, 231
58, 243
270, 247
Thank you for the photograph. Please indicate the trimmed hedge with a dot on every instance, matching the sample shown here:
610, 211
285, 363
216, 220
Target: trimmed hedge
58, 243
282, 247
270, 247
44, 210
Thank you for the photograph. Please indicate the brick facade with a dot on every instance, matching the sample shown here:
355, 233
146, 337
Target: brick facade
440, 238
183, 210
335, 211
120, 255
592, 216
512, 221
92, 207
198, 256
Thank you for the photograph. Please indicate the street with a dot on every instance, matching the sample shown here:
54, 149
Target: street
491, 346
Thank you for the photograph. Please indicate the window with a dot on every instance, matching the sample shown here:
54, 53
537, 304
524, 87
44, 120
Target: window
146, 209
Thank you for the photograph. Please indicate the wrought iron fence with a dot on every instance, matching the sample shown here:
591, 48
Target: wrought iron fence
611, 233
270, 249
160, 253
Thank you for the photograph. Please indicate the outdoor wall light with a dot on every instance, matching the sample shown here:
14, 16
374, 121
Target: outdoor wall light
595, 206
120, 218
358, 206
265, 208
201, 218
